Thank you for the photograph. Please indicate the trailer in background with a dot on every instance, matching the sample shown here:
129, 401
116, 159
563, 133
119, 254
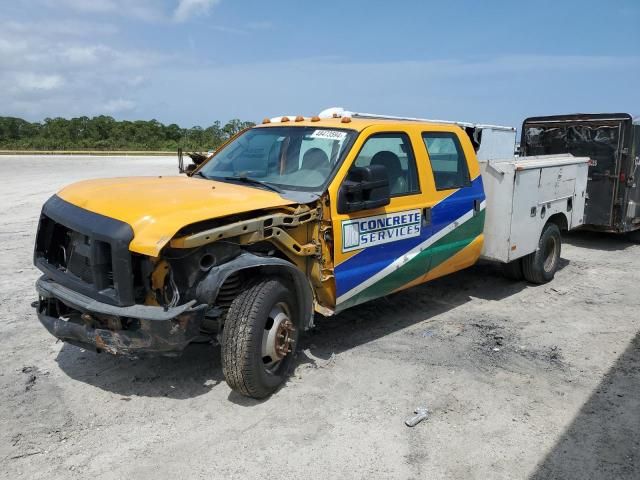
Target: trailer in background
612, 141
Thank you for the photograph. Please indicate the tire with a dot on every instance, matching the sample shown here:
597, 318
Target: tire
513, 270
634, 236
252, 327
541, 266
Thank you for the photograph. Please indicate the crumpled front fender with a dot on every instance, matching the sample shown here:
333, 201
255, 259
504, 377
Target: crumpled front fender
208, 288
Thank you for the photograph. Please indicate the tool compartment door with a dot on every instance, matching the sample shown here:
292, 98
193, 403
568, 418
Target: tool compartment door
539, 193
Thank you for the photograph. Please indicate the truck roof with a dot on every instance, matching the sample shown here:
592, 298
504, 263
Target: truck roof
359, 123
338, 117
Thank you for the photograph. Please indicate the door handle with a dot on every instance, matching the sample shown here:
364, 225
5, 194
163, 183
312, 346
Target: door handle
426, 216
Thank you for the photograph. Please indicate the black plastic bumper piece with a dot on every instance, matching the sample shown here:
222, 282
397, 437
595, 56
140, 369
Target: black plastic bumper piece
157, 331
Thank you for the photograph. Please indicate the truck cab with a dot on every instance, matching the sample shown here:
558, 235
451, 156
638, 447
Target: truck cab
295, 216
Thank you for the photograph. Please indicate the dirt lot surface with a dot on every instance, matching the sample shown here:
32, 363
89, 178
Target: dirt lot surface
521, 381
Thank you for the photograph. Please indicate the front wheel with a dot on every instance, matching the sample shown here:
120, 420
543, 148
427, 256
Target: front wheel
259, 338
541, 265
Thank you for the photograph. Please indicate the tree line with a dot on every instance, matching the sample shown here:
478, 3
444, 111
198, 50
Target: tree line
106, 133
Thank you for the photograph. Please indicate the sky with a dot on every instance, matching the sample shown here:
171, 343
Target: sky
192, 62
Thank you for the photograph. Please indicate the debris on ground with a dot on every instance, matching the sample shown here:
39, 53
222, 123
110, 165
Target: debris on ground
421, 413
31, 377
320, 362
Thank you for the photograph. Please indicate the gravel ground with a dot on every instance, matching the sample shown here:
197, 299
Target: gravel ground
522, 381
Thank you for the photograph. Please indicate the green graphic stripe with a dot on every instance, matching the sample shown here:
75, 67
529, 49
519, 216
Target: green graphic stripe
434, 256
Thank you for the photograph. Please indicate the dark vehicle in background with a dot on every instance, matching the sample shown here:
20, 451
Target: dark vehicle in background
612, 141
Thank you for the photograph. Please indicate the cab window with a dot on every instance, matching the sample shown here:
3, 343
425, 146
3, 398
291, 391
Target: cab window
448, 162
393, 151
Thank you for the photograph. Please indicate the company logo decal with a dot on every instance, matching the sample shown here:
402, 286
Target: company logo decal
379, 229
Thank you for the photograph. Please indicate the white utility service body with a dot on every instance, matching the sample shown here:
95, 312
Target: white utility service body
522, 194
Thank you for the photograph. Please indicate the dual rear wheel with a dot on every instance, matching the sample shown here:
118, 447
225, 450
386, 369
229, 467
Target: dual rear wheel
540, 266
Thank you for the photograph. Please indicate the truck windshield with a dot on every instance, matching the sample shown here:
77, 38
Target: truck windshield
295, 158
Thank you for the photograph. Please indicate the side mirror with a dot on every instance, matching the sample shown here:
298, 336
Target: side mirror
363, 189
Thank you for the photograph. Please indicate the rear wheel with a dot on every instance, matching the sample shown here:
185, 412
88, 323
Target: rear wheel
634, 236
541, 265
513, 270
259, 337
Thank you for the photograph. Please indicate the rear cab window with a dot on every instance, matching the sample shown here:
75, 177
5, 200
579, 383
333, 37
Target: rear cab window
448, 162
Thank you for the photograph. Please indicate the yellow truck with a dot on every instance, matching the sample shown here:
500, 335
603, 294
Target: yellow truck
294, 216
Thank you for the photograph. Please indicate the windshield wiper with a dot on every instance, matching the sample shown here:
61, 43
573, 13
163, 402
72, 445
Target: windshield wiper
253, 181
200, 174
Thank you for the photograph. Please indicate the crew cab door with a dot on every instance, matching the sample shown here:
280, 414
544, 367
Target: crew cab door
421, 233
458, 217
376, 251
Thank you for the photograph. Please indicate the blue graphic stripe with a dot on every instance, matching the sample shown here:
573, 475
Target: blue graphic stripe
371, 260
456, 205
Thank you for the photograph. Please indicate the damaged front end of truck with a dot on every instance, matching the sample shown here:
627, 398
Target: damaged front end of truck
97, 294
145, 266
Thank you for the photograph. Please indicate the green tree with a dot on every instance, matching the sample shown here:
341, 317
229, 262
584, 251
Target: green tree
106, 133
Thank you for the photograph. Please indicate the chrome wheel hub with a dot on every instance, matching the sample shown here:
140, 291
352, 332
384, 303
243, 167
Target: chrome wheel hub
278, 338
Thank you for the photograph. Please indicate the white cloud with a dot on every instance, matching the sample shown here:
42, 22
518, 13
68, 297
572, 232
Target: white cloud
246, 29
59, 28
31, 81
79, 67
91, 6
188, 8
82, 55
46, 73
147, 10
228, 29
118, 105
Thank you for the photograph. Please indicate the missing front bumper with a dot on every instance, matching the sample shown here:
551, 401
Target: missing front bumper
138, 330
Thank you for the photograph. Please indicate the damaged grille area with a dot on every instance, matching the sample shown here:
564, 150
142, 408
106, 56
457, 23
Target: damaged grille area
88, 253
76, 254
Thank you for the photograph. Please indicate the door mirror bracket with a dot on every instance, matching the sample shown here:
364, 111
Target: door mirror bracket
364, 188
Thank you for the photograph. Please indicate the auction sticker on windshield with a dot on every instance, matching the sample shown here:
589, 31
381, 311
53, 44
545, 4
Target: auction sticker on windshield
380, 229
329, 134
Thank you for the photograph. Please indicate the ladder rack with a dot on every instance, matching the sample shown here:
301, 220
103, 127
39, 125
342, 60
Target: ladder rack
341, 112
